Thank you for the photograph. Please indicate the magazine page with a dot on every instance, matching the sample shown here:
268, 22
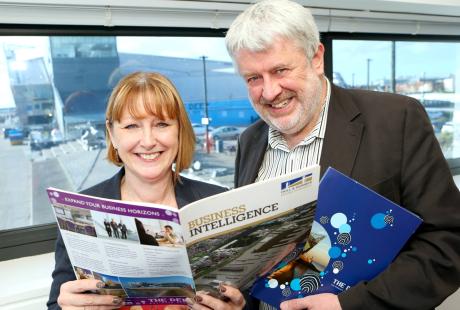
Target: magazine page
356, 235
237, 235
136, 249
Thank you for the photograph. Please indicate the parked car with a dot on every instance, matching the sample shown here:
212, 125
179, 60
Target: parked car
200, 129
93, 138
39, 140
448, 127
225, 133
98, 142
6, 132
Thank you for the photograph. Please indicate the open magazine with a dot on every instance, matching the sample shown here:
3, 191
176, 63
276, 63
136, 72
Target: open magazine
355, 235
157, 255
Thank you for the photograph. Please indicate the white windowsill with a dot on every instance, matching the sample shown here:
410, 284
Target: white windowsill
26, 282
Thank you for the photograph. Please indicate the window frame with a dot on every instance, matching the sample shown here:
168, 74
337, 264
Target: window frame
40, 239
327, 39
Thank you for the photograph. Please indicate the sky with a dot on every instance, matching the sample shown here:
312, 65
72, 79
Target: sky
25, 48
416, 59
184, 47
6, 97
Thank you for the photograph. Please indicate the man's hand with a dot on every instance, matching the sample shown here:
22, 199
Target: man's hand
315, 302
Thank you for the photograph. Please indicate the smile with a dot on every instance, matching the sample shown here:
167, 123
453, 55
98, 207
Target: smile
280, 105
150, 156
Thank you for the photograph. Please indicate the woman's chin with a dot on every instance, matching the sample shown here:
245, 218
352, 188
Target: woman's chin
156, 177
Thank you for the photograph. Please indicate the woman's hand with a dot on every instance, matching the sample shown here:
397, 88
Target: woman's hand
234, 300
72, 296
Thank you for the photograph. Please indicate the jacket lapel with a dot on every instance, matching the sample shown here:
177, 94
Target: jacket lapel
343, 133
253, 154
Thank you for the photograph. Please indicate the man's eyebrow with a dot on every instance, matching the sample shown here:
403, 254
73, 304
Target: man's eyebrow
248, 73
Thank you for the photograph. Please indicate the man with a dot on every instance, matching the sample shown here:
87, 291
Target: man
384, 141
170, 236
123, 229
108, 228
114, 227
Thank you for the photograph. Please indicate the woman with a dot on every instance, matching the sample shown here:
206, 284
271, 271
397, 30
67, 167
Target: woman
147, 131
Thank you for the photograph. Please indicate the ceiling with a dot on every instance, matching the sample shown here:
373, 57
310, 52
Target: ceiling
371, 16
429, 7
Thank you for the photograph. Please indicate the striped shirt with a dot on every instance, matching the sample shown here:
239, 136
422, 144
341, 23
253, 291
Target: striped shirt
280, 160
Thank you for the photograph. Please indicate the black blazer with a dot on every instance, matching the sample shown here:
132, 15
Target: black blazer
186, 190
386, 141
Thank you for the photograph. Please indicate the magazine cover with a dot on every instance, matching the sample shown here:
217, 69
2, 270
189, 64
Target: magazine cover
237, 235
356, 234
156, 255
127, 246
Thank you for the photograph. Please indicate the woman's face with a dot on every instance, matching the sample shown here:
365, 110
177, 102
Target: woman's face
147, 146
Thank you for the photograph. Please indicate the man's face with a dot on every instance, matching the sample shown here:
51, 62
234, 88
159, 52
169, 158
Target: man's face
285, 88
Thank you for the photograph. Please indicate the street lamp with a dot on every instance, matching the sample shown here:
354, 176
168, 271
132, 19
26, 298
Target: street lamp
205, 120
368, 72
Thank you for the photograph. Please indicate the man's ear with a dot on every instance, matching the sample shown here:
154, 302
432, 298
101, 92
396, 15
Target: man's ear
317, 62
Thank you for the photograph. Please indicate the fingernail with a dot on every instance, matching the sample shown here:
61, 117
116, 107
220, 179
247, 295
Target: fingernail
198, 299
222, 288
203, 292
117, 300
190, 302
100, 284
228, 283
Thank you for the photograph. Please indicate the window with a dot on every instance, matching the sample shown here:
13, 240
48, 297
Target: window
55, 89
427, 70
61, 84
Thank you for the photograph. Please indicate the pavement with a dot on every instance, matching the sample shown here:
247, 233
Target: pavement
15, 186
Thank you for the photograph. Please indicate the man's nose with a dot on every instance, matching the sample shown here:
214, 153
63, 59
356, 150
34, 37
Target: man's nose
271, 89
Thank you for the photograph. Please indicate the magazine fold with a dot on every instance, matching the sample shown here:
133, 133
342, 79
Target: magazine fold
152, 254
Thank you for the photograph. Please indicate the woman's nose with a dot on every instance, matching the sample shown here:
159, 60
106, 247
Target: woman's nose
148, 138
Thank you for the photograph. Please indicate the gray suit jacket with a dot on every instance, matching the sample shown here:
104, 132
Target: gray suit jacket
187, 191
386, 142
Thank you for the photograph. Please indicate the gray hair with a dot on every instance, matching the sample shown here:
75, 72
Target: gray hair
259, 25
